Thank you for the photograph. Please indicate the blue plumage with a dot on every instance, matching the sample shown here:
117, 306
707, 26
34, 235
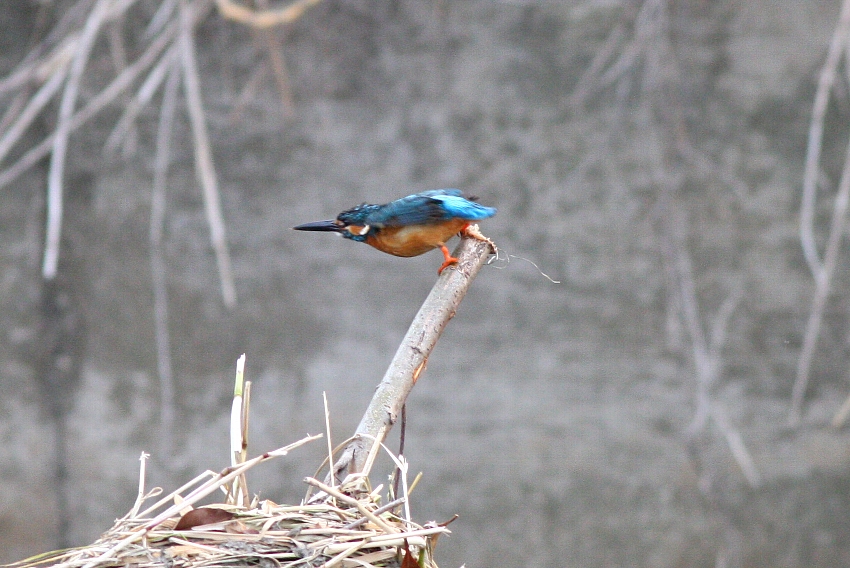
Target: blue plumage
426, 208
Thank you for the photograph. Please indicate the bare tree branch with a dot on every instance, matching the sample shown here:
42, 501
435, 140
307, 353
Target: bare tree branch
412, 355
95, 105
811, 172
158, 270
203, 154
823, 281
60, 140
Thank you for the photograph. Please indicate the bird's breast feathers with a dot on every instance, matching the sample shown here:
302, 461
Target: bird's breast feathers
413, 240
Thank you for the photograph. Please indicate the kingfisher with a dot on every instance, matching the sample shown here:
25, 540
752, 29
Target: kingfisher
411, 225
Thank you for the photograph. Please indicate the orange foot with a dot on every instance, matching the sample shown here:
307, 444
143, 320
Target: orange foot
449, 259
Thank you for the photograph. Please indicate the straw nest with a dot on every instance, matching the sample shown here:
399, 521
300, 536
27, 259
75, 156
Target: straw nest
344, 525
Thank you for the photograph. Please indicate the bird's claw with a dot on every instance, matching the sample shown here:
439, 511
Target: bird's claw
450, 260
472, 231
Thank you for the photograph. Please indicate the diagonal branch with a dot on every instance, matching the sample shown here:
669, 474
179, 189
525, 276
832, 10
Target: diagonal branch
412, 355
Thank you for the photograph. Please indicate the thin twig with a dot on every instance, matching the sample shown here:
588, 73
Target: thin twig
247, 93
333, 481
143, 460
401, 435
823, 281
811, 171
587, 83
56, 171
274, 48
235, 491
203, 155
38, 101
118, 53
158, 269
707, 353
736, 446
383, 509
246, 412
342, 497
34, 69
95, 105
143, 96
196, 495
822, 271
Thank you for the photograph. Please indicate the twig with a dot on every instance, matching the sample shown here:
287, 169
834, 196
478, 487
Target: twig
402, 433
196, 495
161, 17
119, 61
158, 269
737, 446
143, 459
815, 142
97, 103
823, 281
429, 323
135, 105
203, 155
353, 502
25, 118
586, 85
821, 270
274, 48
60, 141
35, 68
383, 509
344, 554
707, 353
247, 92
333, 481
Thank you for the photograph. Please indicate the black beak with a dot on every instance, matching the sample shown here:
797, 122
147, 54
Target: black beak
328, 226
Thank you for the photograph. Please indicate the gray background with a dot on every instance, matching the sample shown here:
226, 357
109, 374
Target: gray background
552, 417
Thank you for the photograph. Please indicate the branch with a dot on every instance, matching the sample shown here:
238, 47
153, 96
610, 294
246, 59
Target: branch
203, 154
439, 307
95, 105
60, 141
812, 167
823, 282
159, 271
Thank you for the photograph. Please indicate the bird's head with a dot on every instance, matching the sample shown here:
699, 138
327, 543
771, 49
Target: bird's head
350, 224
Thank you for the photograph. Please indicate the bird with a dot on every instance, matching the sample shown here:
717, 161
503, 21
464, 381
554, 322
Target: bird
409, 226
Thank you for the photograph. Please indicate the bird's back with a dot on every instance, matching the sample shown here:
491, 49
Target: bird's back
428, 208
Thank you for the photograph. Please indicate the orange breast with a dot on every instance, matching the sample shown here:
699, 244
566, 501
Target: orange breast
414, 240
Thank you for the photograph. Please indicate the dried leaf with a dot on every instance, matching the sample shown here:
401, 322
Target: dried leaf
202, 516
409, 561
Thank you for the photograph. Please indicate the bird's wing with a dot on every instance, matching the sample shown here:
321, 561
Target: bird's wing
457, 206
429, 207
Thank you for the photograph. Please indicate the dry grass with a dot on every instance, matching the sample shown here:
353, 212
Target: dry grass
339, 526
